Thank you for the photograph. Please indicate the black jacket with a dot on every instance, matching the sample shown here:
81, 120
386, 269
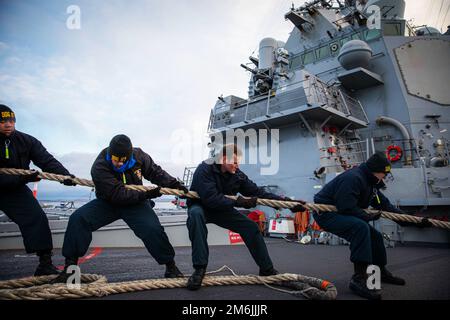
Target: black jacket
23, 149
353, 191
110, 186
212, 185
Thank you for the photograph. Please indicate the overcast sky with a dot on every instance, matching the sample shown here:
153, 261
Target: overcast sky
149, 69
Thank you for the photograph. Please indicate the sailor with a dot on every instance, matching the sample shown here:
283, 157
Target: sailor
352, 192
17, 149
116, 166
212, 180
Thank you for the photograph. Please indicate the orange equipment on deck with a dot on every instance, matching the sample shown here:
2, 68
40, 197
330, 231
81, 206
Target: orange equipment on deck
260, 218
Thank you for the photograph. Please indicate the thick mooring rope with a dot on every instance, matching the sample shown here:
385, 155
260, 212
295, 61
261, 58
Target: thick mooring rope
265, 202
311, 288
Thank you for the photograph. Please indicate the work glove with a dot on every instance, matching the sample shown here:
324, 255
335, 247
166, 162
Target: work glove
153, 193
298, 207
33, 177
180, 186
246, 203
424, 223
372, 216
69, 182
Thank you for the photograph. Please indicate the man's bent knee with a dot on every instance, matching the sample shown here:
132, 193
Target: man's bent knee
196, 212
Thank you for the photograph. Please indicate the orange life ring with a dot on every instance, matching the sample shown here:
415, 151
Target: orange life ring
398, 152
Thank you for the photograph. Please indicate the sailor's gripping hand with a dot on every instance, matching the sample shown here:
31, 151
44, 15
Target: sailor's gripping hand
180, 186
69, 181
372, 216
33, 177
246, 203
153, 193
298, 207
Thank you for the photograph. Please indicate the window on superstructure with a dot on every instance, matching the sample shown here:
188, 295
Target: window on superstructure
296, 62
308, 57
371, 34
344, 40
356, 36
392, 29
322, 52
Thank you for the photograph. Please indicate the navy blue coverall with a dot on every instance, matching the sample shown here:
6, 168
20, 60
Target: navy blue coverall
351, 192
16, 199
114, 202
213, 207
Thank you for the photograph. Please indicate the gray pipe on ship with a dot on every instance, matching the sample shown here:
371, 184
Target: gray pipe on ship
386, 120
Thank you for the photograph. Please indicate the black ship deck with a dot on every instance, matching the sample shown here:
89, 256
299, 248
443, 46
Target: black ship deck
425, 269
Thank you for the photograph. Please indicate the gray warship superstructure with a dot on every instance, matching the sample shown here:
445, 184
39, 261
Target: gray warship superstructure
340, 88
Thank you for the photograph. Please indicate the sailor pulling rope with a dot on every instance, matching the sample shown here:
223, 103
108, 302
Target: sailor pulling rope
265, 202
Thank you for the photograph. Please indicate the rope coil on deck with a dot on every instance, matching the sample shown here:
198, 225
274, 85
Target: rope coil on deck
38, 281
265, 202
311, 288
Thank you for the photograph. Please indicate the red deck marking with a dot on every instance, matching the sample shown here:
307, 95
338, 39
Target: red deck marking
274, 225
234, 237
94, 252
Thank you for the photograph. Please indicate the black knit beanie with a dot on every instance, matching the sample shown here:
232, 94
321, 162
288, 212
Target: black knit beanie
379, 163
120, 147
6, 113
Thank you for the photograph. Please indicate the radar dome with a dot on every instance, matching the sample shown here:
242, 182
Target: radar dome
355, 54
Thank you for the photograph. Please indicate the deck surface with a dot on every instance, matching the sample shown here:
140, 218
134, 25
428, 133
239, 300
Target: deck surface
425, 269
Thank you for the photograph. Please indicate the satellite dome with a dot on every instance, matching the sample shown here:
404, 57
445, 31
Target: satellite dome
354, 54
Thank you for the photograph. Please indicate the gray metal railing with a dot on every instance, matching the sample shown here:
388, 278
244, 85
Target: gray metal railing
337, 99
354, 107
188, 175
211, 120
316, 93
347, 154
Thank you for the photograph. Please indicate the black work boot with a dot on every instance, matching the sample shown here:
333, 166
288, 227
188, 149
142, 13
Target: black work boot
45, 267
358, 283
195, 280
268, 272
388, 277
172, 271
64, 276
359, 286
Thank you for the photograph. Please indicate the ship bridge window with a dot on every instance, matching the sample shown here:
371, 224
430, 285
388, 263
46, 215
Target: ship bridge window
322, 52
392, 29
356, 36
296, 62
308, 57
344, 40
371, 34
